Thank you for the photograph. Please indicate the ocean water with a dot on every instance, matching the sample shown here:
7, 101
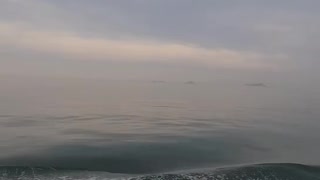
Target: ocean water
99, 129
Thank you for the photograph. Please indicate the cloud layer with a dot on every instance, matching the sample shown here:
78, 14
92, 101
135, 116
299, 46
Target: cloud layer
85, 48
249, 36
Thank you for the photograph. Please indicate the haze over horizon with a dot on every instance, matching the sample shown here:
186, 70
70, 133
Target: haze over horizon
136, 89
160, 40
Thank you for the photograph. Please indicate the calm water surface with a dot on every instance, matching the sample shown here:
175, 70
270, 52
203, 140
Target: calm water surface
143, 127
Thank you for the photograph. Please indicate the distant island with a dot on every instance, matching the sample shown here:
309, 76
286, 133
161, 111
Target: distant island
190, 82
256, 84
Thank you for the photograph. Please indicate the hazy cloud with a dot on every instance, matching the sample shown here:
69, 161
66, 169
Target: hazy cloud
84, 48
248, 35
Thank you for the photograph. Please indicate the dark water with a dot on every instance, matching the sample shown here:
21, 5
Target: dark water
82, 129
252, 172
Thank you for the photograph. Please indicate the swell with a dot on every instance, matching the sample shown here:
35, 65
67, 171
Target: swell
280, 171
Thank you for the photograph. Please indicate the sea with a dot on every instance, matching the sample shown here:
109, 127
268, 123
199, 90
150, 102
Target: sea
56, 128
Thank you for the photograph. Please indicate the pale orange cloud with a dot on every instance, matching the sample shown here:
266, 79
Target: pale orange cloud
85, 48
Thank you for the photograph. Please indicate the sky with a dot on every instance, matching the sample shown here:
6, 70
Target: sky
202, 40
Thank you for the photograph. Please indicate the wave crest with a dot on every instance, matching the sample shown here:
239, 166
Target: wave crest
281, 171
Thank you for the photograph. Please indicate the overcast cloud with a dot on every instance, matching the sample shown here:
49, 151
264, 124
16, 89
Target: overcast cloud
161, 39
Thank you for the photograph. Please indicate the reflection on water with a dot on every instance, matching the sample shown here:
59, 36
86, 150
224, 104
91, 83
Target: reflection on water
140, 127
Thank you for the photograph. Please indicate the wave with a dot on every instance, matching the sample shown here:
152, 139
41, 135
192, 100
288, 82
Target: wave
281, 171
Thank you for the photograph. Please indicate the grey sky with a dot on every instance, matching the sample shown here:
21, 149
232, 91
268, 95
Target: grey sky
161, 39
